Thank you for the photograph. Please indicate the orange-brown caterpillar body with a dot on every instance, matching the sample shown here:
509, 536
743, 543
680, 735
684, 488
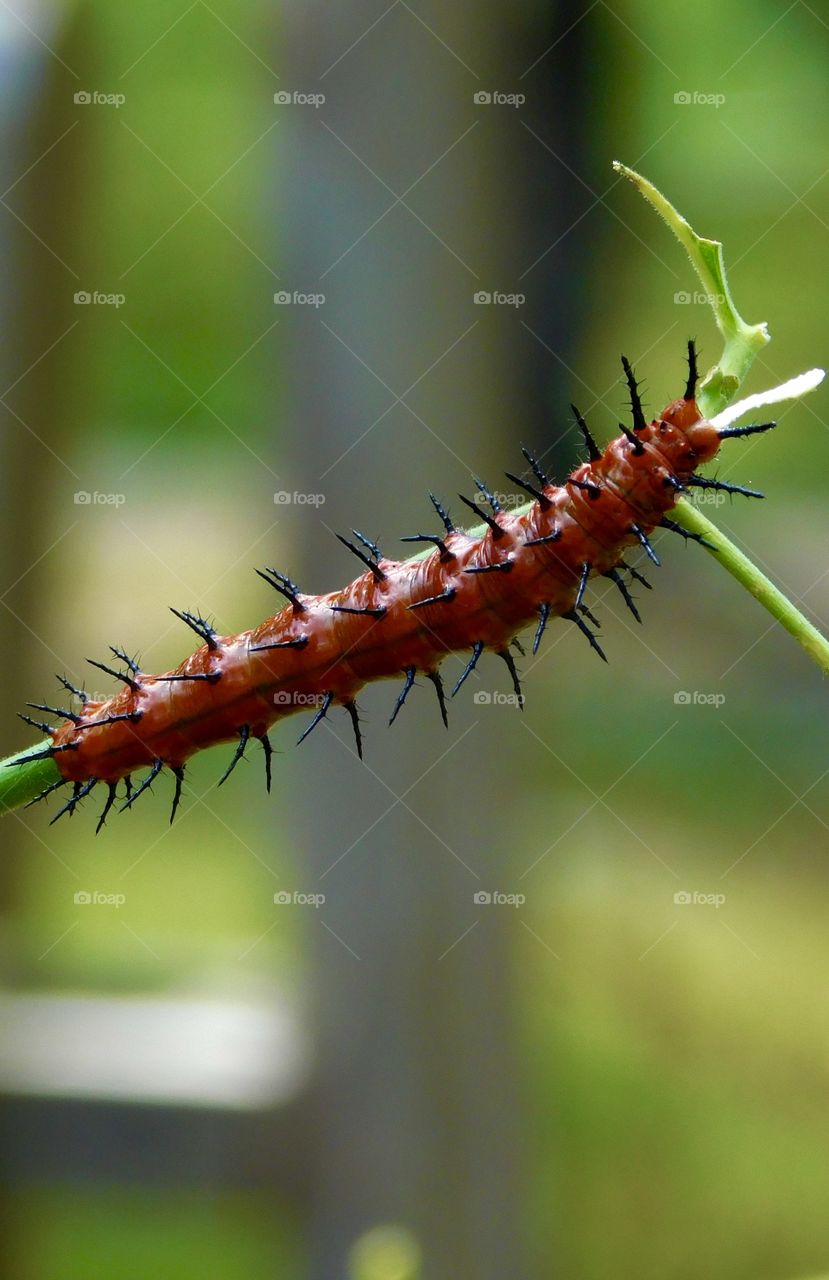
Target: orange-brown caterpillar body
397, 618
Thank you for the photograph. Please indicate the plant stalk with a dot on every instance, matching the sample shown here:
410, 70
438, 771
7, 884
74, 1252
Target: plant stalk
769, 596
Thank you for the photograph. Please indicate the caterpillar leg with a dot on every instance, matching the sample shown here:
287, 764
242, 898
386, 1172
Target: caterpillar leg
244, 736
410, 674
110, 801
268, 752
516, 683
179, 776
61, 782
437, 680
477, 650
79, 792
686, 533
572, 616
321, 714
158, 765
351, 708
616, 577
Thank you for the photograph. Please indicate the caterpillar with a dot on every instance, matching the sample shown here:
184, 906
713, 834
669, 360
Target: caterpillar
467, 593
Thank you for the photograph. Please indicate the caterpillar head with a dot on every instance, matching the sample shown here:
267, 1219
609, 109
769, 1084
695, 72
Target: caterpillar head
692, 440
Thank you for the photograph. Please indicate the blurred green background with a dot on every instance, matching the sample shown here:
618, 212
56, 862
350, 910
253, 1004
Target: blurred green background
600, 1081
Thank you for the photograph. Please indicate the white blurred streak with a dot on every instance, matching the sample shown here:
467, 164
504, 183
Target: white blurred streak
185, 1052
790, 390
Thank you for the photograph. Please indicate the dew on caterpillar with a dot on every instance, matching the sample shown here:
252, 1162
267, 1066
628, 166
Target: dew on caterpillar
468, 594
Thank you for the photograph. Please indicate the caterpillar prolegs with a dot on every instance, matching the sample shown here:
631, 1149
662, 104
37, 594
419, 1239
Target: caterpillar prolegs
468, 594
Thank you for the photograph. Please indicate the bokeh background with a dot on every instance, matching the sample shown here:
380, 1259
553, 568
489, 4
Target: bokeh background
598, 1081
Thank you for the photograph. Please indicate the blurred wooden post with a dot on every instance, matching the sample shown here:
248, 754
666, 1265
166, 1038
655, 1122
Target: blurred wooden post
417, 1113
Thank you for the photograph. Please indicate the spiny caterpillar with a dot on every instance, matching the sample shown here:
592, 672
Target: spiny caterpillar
399, 618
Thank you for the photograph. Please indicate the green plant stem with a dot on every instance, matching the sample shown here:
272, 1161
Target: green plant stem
20, 783
23, 782
769, 596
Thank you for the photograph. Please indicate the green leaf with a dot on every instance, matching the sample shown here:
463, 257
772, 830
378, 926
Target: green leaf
742, 341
